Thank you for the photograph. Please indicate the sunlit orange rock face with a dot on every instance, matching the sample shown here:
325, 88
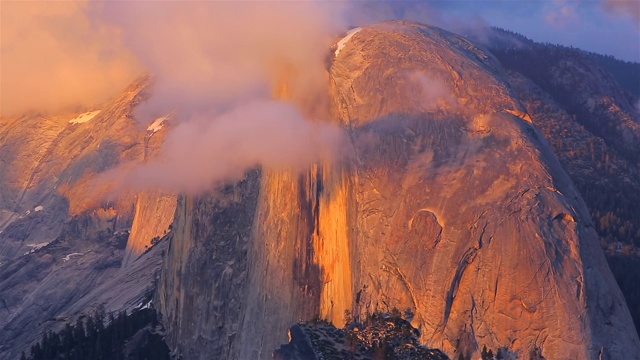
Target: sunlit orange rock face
516, 263
450, 203
154, 213
55, 164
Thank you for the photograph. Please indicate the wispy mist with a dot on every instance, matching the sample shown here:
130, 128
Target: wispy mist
215, 148
432, 92
627, 7
245, 81
206, 55
54, 57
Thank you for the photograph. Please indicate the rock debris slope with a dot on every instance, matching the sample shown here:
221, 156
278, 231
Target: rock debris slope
453, 205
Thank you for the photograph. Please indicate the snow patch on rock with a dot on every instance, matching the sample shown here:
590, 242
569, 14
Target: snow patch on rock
157, 124
142, 305
83, 118
38, 208
68, 257
36, 247
346, 39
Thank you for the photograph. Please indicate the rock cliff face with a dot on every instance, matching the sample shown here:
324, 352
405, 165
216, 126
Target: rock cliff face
452, 204
590, 122
61, 244
505, 249
202, 293
48, 164
154, 213
154, 209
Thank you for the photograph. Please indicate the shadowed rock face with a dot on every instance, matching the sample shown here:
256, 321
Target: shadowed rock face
49, 165
62, 245
452, 204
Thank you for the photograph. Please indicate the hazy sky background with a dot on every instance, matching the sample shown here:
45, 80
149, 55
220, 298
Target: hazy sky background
608, 27
59, 53
604, 26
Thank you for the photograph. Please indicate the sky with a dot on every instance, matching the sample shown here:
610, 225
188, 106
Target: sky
604, 26
608, 27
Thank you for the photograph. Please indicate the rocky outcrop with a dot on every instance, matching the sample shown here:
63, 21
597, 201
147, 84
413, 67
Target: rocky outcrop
380, 336
154, 213
54, 178
154, 209
452, 204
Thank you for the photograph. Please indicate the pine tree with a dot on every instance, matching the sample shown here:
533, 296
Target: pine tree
486, 355
36, 352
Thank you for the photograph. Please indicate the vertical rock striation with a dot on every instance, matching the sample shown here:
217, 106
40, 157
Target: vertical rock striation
154, 213
202, 289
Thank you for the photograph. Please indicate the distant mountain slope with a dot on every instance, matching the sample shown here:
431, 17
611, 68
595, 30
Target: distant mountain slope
64, 249
585, 89
626, 73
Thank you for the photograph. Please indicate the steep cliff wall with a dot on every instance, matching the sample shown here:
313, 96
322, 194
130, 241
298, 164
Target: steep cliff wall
154, 213
300, 265
256, 256
202, 288
464, 213
154, 209
451, 204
